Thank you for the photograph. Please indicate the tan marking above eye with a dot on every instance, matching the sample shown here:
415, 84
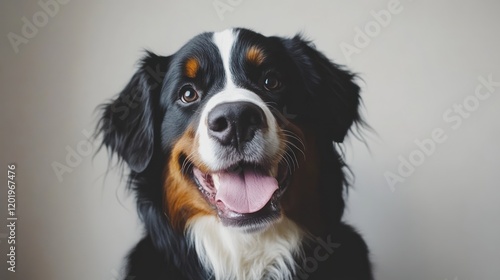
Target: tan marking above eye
255, 55
191, 68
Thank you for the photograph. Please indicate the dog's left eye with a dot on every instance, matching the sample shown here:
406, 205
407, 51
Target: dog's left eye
271, 82
188, 94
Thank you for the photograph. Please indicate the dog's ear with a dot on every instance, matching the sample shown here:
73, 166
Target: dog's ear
333, 96
127, 123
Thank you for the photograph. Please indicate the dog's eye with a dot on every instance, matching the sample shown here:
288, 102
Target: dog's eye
271, 83
188, 94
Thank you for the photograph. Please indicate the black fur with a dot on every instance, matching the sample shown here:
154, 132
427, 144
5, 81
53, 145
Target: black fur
142, 123
335, 97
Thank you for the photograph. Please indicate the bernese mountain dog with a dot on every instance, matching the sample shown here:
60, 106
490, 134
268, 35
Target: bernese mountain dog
232, 148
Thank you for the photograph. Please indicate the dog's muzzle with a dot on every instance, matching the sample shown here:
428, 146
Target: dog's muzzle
235, 123
245, 176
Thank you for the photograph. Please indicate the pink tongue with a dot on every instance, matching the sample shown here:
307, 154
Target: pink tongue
246, 191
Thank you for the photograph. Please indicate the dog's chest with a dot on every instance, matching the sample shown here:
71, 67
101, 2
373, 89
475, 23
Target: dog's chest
232, 254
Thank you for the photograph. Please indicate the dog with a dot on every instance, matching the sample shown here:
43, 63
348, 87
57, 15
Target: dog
231, 147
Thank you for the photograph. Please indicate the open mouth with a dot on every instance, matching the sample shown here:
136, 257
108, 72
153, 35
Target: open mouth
245, 195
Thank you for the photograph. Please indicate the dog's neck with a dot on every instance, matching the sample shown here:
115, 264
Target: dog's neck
234, 254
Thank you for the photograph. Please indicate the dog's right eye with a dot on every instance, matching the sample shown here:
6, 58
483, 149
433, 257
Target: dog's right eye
188, 94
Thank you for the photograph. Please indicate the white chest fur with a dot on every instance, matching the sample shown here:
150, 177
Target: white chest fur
236, 255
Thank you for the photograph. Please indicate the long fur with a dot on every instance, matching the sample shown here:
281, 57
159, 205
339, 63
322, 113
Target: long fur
233, 254
141, 126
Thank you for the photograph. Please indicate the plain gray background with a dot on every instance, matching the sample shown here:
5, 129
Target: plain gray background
441, 222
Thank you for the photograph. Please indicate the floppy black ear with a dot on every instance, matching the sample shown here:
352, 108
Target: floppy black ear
333, 97
127, 122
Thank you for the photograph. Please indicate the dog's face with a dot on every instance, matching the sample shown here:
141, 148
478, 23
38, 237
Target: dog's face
234, 118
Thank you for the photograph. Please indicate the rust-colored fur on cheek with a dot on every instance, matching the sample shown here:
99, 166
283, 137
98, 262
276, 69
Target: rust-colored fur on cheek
183, 201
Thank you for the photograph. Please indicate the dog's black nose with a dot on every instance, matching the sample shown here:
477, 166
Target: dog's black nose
235, 123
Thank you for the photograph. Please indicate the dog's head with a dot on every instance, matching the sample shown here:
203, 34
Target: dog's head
241, 124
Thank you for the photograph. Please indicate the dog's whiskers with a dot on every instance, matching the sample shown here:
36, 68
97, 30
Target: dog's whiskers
291, 134
187, 163
288, 142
